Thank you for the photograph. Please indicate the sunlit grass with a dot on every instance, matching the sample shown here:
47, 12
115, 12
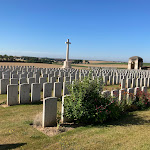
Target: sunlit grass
128, 133
3, 98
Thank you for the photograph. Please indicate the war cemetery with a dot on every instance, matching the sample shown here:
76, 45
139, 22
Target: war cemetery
74, 75
69, 108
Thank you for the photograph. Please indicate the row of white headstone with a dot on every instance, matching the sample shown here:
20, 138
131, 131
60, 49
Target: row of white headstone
51, 78
57, 86
24, 71
49, 90
61, 83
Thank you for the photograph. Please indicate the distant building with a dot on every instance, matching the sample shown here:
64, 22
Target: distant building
135, 62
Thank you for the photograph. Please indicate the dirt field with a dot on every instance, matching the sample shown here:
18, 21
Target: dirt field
77, 66
40, 65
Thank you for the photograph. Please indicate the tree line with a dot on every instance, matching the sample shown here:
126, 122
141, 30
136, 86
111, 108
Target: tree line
6, 58
27, 59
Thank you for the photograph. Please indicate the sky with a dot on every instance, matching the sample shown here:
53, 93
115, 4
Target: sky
97, 29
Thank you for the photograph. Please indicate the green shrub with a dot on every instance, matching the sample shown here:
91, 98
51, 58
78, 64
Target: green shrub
86, 104
141, 100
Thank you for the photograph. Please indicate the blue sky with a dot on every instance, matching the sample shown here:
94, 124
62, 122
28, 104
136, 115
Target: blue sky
97, 29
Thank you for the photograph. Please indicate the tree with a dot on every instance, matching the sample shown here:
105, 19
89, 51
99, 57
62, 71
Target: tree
6, 57
77, 61
11, 58
86, 62
1, 57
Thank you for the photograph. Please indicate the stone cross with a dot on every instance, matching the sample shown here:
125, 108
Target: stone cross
67, 53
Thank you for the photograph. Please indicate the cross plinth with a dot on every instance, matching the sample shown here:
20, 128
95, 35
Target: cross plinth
67, 63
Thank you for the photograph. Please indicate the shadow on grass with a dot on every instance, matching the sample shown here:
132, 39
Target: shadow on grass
72, 125
11, 146
124, 120
3, 102
34, 103
129, 119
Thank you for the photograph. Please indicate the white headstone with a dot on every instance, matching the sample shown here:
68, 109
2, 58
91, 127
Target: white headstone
49, 111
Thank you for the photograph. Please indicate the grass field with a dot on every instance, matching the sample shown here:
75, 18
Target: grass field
111, 65
131, 132
146, 64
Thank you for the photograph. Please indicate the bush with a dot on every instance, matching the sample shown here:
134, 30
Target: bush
86, 104
141, 100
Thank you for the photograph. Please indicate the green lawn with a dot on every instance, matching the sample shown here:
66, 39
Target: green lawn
131, 132
3, 98
111, 87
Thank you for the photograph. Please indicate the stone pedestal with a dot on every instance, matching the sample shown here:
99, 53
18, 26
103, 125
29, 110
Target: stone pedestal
67, 64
